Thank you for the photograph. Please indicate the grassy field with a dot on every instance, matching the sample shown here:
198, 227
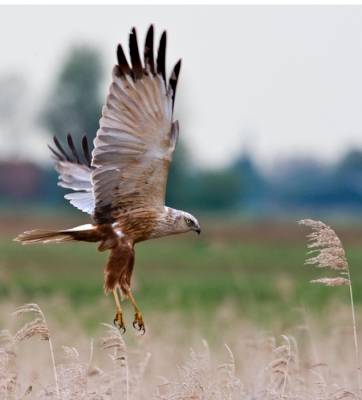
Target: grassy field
241, 283
258, 266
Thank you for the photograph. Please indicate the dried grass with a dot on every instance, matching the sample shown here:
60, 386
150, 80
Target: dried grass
258, 365
36, 327
300, 364
8, 366
330, 253
196, 380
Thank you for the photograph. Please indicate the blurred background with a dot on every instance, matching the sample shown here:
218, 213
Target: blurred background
269, 102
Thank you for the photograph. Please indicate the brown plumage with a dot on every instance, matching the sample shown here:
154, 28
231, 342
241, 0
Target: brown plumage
123, 185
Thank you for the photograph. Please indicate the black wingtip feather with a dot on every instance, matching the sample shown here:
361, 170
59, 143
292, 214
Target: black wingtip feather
60, 148
174, 79
137, 69
72, 148
123, 66
135, 55
148, 54
59, 156
63, 156
161, 57
85, 149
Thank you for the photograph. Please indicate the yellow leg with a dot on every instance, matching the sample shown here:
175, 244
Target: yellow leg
118, 318
138, 316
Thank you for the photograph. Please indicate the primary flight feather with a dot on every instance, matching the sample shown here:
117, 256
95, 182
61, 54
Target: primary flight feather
123, 185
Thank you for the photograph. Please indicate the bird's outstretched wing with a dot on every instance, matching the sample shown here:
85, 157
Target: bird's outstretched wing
137, 138
75, 173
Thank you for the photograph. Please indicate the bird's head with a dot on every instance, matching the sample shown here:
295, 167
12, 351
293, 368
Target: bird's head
188, 222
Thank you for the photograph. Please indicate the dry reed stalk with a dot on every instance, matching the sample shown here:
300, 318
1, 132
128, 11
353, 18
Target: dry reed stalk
27, 391
38, 326
196, 378
133, 376
307, 327
279, 366
73, 375
115, 341
8, 365
137, 375
231, 382
196, 381
4, 361
284, 349
330, 253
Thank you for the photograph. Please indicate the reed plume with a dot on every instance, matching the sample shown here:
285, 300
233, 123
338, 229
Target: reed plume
330, 253
38, 326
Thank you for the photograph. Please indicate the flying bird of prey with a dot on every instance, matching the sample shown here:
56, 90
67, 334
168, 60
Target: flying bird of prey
123, 185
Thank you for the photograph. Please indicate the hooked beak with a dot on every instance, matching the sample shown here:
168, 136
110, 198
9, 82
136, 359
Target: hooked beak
198, 230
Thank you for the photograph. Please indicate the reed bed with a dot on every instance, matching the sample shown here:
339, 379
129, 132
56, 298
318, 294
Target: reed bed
315, 359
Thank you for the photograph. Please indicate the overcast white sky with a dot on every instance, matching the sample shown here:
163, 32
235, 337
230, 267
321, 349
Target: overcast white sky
284, 81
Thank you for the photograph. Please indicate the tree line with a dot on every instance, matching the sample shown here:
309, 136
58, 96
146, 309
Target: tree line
74, 105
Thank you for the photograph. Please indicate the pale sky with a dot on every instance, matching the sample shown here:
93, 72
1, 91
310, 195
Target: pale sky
282, 81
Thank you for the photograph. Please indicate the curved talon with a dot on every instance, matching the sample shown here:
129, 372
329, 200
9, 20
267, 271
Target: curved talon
141, 327
119, 321
119, 326
139, 321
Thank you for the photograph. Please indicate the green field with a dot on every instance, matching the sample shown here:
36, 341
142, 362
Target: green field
256, 266
240, 283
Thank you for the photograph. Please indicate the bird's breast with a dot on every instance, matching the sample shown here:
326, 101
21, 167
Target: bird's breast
144, 225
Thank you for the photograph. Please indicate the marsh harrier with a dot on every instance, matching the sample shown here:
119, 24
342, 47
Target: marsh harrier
123, 185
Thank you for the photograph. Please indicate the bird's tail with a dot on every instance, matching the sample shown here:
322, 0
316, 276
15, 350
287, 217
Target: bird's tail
85, 233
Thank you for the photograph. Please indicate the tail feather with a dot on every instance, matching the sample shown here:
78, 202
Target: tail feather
85, 233
43, 236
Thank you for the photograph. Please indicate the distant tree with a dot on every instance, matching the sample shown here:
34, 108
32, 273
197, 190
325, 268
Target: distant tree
352, 161
177, 192
216, 190
207, 190
348, 179
75, 105
252, 185
301, 182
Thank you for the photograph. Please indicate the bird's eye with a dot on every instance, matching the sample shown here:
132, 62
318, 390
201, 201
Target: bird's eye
188, 221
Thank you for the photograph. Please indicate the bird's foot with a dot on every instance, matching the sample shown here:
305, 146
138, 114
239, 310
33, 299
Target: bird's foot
119, 320
138, 321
